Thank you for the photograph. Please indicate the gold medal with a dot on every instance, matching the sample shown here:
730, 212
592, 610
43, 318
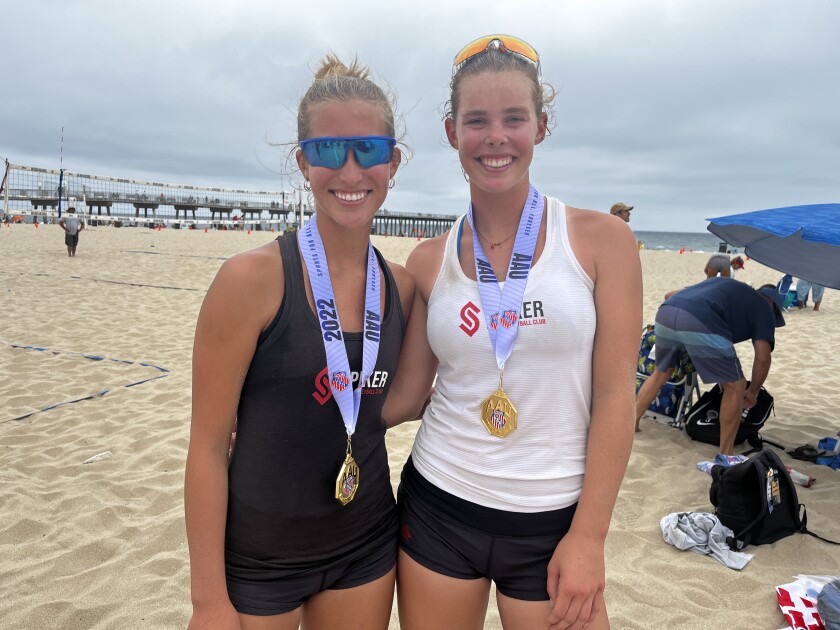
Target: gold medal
498, 415
347, 482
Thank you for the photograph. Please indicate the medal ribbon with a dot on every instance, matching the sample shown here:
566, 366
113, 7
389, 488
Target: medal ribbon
501, 306
338, 366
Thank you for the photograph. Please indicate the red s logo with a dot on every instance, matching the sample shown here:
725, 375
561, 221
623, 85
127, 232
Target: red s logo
469, 317
322, 391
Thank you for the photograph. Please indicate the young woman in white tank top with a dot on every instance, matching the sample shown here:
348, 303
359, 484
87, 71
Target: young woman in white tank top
532, 411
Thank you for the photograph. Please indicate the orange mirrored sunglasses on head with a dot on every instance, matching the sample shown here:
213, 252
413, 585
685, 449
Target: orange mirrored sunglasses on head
503, 42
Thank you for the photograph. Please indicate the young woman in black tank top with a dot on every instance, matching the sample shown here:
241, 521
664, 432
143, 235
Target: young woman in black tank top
301, 523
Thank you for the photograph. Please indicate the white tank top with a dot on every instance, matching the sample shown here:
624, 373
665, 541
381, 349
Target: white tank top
548, 378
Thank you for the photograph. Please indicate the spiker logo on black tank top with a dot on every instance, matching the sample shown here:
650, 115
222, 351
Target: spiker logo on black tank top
374, 385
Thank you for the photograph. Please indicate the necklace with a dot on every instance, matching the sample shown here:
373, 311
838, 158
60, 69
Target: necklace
494, 245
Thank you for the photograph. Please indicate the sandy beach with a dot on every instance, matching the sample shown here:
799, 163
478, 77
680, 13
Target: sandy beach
103, 546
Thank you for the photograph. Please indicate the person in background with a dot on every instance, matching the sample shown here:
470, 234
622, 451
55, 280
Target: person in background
706, 320
517, 463
622, 211
294, 346
802, 289
72, 225
718, 265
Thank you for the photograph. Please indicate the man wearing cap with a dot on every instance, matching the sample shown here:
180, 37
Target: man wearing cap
71, 225
622, 211
707, 320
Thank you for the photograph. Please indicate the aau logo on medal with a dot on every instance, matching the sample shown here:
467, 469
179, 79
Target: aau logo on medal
498, 419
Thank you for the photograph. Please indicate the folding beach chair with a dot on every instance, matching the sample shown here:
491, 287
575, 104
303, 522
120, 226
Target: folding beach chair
786, 287
677, 394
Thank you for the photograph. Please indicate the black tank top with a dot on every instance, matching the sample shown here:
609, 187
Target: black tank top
291, 439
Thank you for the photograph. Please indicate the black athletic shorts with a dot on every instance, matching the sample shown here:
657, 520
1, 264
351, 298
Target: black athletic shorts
267, 590
71, 240
464, 540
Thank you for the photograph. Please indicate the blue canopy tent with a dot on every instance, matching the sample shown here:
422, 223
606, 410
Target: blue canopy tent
803, 241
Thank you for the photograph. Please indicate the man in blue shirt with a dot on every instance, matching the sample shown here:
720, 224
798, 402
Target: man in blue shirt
707, 320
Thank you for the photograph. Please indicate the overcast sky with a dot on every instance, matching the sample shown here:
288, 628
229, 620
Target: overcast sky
684, 109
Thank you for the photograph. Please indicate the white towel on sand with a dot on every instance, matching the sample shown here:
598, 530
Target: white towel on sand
702, 533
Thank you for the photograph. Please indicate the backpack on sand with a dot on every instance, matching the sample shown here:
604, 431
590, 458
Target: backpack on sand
757, 500
703, 424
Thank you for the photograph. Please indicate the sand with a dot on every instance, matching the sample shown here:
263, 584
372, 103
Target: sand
102, 545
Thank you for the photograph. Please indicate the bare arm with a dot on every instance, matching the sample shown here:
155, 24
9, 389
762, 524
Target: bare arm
577, 571
411, 387
232, 316
61, 224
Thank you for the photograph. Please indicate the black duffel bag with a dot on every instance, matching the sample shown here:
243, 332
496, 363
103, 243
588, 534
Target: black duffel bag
703, 423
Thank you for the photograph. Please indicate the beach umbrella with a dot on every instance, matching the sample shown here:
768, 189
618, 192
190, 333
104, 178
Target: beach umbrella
803, 241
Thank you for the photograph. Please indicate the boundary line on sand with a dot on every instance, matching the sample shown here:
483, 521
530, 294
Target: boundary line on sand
92, 357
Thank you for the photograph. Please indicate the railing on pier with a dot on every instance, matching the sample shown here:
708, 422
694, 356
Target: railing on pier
43, 193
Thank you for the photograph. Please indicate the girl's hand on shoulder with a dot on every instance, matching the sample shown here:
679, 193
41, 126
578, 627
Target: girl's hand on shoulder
576, 581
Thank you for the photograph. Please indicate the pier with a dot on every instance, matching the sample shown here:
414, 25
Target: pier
43, 194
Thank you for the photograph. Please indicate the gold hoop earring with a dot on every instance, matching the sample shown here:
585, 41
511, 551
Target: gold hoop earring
307, 186
392, 183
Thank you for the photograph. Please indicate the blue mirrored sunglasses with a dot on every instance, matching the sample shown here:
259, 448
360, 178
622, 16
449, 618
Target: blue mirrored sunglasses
332, 152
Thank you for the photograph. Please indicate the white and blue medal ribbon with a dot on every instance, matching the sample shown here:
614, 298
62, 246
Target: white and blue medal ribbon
338, 366
502, 305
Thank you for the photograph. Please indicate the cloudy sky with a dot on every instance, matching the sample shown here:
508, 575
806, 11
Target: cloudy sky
685, 109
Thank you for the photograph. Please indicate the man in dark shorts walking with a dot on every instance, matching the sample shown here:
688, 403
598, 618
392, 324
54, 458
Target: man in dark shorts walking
72, 225
707, 320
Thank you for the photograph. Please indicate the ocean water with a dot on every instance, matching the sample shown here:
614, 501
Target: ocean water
697, 241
